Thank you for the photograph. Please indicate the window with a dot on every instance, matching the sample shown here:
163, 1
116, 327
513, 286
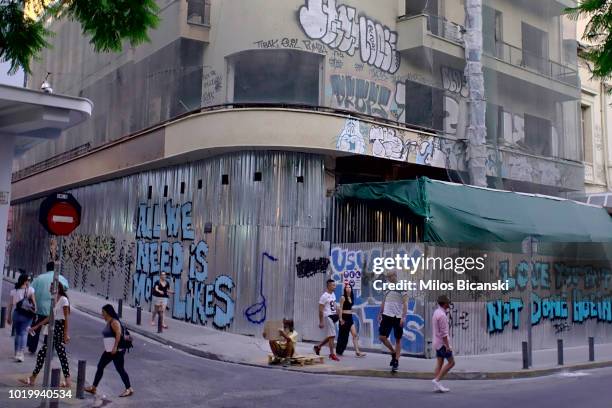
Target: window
538, 135
587, 133
597, 200
276, 76
535, 49
198, 11
494, 123
418, 7
492, 31
424, 106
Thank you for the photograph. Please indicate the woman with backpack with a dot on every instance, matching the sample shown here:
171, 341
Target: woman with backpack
22, 298
116, 341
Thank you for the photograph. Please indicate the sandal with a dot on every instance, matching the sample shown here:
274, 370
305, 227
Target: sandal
64, 384
27, 382
91, 389
317, 350
127, 393
359, 355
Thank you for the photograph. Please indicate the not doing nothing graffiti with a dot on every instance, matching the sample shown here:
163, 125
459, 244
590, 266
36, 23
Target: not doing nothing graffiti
595, 304
202, 300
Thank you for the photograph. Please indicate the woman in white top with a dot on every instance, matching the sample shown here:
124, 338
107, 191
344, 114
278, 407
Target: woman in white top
23, 307
60, 337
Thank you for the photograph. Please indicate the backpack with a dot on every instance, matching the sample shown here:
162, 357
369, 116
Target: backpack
126, 342
25, 306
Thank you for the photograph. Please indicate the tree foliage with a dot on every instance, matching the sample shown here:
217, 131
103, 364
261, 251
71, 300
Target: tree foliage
596, 34
108, 24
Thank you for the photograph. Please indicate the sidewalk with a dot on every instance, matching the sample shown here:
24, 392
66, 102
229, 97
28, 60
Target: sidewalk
217, 345
11, 372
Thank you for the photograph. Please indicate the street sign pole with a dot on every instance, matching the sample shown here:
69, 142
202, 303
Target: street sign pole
59, 214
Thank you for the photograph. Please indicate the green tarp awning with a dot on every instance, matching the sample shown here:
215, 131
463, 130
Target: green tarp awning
455, 213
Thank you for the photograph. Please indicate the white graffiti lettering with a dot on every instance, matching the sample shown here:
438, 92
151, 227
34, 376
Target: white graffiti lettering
338, 28
385, 143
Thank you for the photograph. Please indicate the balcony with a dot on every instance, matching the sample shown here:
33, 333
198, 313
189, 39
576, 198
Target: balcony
535, 63
195, 16
522, 71
431, 32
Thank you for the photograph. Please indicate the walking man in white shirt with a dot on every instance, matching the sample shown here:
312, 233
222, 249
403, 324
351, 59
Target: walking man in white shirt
441, 343
328, 316
392, 316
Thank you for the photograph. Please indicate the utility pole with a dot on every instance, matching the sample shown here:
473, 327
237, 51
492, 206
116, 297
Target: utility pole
476, 132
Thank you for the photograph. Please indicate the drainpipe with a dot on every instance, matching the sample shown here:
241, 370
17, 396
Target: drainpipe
476, 129
605, 134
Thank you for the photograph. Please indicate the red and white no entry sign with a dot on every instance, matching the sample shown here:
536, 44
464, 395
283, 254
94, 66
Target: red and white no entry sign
60, 214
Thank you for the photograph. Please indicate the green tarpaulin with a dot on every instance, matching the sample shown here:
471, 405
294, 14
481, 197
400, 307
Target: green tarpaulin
455, 213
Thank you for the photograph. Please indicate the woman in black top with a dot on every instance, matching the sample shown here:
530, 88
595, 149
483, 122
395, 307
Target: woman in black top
113, 351
160, 298
346, 323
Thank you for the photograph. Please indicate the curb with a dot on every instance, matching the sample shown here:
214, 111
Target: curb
504, 375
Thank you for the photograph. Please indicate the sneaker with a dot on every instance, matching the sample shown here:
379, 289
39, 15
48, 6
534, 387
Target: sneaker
20, 357
317, 350
439, 387
395, 365
334, 357
392, 361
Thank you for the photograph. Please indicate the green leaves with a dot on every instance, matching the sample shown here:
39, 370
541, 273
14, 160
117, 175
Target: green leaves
108, 22
597, 34
20, 38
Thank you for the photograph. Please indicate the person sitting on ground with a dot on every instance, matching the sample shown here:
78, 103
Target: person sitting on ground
285, 348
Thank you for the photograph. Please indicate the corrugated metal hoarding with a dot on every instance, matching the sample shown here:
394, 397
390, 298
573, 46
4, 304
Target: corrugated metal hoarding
136, 226
246, 241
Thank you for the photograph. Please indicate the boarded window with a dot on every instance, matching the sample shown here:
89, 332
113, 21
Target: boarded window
538, 135
424, 106
277, 76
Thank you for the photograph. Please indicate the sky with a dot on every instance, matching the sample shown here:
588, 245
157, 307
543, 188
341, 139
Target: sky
6, 79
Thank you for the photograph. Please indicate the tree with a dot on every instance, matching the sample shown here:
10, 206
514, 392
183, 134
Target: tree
107, 22
597, 34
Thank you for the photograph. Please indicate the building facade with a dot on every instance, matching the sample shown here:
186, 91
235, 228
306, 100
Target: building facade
596, 122
214, 150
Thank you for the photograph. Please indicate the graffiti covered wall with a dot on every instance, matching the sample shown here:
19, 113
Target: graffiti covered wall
353, 262
396, 144
204, 233
570, 299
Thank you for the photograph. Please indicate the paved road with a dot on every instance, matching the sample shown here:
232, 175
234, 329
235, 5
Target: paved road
164, 377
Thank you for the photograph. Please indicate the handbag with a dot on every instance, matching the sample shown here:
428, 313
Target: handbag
26, 307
